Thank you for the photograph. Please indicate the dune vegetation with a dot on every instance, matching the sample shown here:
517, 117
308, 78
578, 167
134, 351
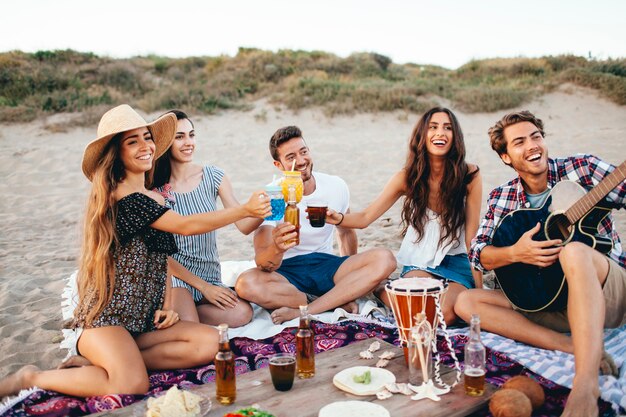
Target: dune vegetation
47, 82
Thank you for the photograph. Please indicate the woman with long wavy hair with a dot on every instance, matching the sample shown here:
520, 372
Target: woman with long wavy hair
123, 321
442, 196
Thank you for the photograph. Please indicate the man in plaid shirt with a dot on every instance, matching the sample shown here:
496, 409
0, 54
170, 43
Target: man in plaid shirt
596, 283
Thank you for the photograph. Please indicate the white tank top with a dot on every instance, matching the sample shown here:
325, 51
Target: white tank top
426, 253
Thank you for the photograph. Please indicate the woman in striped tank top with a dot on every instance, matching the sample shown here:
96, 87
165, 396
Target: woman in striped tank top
198, 293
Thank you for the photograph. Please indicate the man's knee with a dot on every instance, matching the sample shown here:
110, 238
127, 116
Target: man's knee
576, 256
247, 285
383, 260
574, 252
465, 304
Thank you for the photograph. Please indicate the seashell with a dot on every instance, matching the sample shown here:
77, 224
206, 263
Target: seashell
404, 389
374, 346
383, 395
382, 363
366, 354
387, 355
392, 388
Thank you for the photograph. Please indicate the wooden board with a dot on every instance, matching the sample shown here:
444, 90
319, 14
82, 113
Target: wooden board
308, 396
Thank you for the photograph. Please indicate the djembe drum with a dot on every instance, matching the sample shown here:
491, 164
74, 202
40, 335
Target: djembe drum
408, 297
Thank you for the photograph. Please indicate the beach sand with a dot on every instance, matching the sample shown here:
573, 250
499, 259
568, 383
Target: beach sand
43, 189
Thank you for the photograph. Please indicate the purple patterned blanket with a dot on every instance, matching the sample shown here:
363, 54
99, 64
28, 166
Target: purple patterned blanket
253, 354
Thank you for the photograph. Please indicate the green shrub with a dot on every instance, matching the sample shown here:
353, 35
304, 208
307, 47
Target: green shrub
70, 81
489, 99
609, 85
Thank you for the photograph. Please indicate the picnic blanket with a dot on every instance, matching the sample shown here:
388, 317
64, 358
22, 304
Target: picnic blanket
255, 342
558, 367
253, 354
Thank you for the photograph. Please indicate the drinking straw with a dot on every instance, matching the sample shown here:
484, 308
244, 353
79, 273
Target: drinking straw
293, 165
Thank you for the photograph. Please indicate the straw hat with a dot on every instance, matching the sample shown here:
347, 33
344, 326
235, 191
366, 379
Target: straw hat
121, 119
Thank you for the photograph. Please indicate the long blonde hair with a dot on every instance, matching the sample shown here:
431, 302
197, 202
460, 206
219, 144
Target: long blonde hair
96, 271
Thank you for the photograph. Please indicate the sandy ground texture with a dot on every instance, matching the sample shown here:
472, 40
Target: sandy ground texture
43, 189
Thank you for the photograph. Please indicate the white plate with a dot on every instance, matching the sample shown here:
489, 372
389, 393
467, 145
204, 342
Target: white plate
380, 377
353, 409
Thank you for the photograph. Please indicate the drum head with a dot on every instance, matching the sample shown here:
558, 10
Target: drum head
416, 285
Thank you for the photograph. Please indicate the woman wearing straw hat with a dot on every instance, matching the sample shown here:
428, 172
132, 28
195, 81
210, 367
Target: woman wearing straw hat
125, 328
198, 293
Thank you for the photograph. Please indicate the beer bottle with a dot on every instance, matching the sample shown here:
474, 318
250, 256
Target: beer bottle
225, 385
474, 373
305, 351
292, 213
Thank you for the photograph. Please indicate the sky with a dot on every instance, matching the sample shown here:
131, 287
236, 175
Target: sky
448, 33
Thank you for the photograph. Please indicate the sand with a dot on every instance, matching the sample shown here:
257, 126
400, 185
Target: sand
43, 189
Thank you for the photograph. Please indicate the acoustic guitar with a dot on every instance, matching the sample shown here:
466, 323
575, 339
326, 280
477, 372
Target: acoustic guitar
570, 214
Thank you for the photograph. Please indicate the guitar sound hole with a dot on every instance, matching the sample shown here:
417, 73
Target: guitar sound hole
559, 227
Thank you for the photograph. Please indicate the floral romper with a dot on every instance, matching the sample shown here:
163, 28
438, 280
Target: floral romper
140, 267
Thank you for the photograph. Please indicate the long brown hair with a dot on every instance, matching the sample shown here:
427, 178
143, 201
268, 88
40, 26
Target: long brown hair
96, 271
163, 166
453, 189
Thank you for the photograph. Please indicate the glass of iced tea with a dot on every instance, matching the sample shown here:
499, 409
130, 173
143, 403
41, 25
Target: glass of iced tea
317, 212
282, 370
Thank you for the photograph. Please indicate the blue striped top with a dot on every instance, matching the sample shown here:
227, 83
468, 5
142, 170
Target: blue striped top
198, 253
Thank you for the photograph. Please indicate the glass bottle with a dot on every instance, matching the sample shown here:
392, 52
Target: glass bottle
305, 350
420, 352
225, 384
292, 214
474, 373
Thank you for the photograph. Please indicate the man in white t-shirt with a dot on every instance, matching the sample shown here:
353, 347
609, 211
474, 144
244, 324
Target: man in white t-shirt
287, 275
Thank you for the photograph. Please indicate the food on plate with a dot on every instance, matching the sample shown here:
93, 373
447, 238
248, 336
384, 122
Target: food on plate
364, 378
344, 380
249, 412
175, 403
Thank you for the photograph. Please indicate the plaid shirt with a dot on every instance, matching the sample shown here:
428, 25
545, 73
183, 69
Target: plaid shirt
586, 170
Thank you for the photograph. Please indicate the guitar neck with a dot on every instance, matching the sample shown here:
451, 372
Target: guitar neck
582, 206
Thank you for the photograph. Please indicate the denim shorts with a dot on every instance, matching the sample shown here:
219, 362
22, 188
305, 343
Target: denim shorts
454, 268
312, 273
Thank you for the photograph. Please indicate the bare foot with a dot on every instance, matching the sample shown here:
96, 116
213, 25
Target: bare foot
74, 361
352, 307
608, 366
582, 402
12, 384
284, 314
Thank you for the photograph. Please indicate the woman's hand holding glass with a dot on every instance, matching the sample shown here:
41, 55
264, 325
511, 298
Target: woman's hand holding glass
333, 217
258, 205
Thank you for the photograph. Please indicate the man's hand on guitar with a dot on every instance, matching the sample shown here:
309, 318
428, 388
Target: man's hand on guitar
539, 253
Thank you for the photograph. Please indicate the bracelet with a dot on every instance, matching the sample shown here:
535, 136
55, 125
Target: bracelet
340, 220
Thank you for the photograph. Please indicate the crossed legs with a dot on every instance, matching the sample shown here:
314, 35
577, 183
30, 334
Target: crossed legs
586, 271
357, 276
117, 363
